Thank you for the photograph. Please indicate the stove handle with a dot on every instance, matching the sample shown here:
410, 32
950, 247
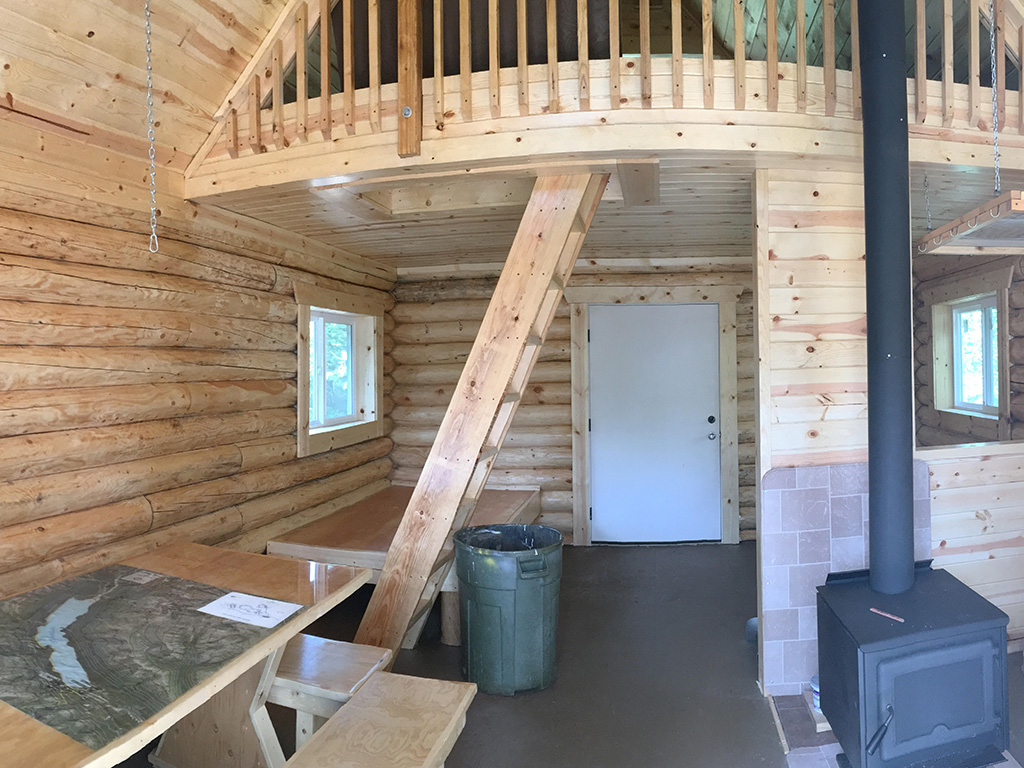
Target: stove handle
880, 733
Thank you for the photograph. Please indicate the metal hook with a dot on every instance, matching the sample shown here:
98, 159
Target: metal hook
154, 244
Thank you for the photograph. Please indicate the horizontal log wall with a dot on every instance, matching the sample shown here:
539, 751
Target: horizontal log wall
436, 322
150, 398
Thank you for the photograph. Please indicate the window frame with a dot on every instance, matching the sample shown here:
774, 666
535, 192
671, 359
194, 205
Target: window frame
366, 315
982, 302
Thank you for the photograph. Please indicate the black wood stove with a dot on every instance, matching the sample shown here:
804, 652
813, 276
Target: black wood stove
912, 663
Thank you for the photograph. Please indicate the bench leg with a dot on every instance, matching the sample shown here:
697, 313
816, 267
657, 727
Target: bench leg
261, 723
451, 620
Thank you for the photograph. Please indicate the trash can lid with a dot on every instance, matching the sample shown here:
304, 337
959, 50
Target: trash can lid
509, 538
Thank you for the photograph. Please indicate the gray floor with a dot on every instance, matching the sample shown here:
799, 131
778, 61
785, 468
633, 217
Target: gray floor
653, 669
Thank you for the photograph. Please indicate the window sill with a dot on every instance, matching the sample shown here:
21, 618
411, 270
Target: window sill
975, 414
339, 436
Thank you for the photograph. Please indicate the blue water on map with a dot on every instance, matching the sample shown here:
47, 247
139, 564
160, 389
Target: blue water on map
51, 635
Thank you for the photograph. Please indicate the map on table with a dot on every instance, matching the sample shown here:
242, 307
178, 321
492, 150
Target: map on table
95, 656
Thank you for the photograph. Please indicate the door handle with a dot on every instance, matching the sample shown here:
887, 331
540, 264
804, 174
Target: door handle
712, 435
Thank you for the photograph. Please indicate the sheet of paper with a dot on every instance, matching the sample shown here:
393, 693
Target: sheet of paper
251, 609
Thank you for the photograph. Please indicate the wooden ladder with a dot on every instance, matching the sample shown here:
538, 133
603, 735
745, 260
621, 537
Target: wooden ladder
484, 401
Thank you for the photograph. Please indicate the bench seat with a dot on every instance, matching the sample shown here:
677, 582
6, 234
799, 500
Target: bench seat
392, 721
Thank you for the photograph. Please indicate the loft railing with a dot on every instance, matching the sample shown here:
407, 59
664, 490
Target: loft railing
406, 64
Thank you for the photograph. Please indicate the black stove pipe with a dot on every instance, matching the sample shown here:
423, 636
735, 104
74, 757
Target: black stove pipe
889, 318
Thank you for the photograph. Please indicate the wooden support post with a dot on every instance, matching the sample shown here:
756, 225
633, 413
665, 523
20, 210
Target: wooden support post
677, 54
232, 132
801, 56
494, 58
522, 59
465, 61
771, 20
277, 121
855, 51
530, 287
325, 69
614, 52
552, 39
301, 73
739, 54
255, 116
583, 53
947, 62
645, 54
410, 77
708, 39
348, 67
921, 61
828, 21
373, 43
439, 118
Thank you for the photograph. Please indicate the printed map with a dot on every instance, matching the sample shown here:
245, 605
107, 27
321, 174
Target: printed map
95, 656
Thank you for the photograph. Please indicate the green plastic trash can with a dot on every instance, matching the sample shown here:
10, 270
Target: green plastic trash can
508, 595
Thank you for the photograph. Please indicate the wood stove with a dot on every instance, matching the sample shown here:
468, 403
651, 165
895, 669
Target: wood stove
912, 663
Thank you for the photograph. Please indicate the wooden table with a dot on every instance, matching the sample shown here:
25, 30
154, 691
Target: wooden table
316, 587
360, 535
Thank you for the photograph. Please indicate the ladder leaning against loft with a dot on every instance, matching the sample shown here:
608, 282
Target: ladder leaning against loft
497, 370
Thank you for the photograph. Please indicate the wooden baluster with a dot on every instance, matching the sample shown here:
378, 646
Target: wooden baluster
522, 59
552, 19
1020, 81
493, 58
348, 67
739, 54
373, 40
947, 62
465, 61
614, 55
708, 35
439, 117
255, 115
771, 21
801, 56
410, 77
301, 73
921, 62
277, 86
645, 54
677, 54
325, 69
855, 58
974, 54
1000, 23
583, 53
231, 128
828, 21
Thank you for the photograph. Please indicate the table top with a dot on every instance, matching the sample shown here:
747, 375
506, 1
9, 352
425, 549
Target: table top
168, 636
360, 534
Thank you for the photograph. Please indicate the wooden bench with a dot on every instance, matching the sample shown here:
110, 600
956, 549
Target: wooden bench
360, 535
316, 676
392, 721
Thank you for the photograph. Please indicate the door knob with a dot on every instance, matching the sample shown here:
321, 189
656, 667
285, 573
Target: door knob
712, 435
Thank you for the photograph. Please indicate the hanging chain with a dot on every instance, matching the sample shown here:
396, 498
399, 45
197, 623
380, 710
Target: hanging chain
995, 98
927, 202
154, 244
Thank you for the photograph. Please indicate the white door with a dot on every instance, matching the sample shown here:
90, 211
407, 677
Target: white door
655, 461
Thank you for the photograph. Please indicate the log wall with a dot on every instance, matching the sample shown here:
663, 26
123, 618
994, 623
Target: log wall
150, 398
436, 322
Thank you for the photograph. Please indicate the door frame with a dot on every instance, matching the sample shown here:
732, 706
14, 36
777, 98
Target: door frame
726, 296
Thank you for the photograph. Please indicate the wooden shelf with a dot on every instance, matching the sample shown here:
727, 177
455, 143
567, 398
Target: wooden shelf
998, 223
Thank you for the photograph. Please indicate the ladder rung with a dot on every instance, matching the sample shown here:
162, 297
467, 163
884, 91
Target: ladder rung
533, 340
422, 607
512, 397
446, 556
488, 452
556, 284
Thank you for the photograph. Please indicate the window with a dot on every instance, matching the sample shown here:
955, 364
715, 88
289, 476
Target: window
975, 328
340, 368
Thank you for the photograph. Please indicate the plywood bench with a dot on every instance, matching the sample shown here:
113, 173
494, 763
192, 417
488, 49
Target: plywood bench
392, 721
316, 676
360, 535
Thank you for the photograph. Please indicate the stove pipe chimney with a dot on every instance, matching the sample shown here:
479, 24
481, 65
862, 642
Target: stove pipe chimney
889, 309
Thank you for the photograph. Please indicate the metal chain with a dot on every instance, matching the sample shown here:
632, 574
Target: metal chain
927, 202
154, 244
995, 98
